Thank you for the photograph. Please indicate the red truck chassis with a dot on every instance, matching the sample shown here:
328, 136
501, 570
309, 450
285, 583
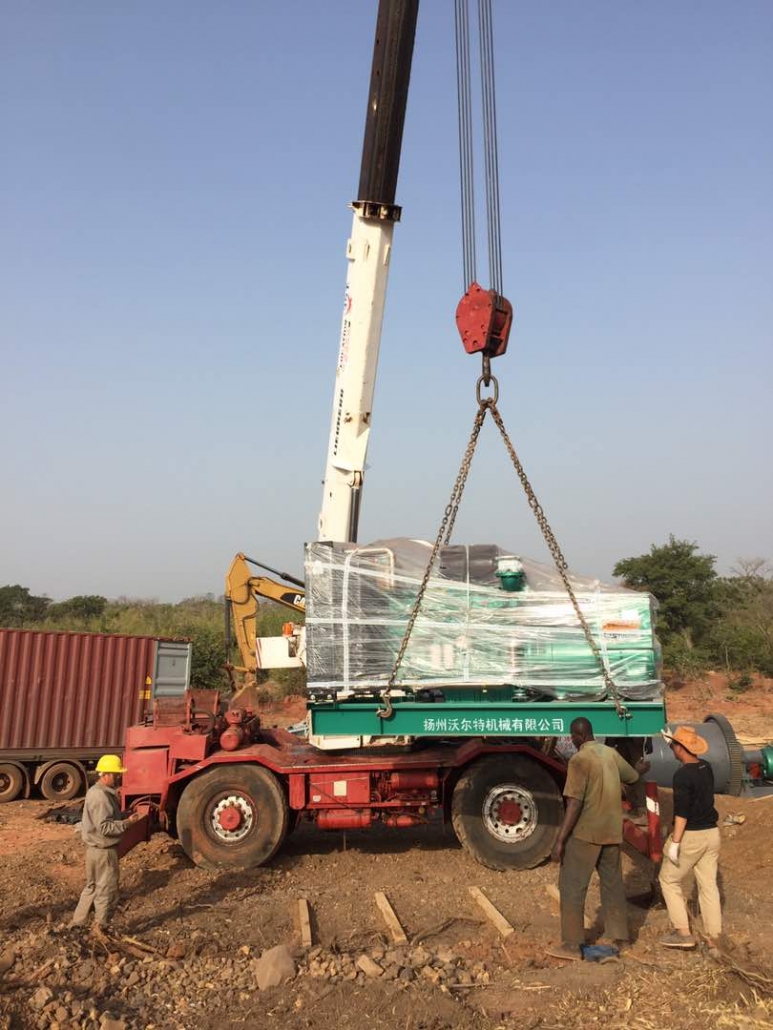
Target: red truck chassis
232, 790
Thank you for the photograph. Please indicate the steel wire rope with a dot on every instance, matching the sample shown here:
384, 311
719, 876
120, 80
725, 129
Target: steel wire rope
493, 226
491, 157
466, 163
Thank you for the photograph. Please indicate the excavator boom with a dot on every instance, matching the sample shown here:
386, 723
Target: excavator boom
243, 595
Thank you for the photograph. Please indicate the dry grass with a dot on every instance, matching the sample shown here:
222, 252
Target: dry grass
716, 994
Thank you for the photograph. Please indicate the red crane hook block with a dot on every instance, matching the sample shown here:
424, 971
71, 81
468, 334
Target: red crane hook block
484, 319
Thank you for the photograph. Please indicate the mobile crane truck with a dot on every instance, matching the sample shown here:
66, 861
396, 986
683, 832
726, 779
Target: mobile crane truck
439, 677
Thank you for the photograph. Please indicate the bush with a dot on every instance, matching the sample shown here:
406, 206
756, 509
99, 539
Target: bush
742, 636
290, 682
686, 661
208, 658
740, 684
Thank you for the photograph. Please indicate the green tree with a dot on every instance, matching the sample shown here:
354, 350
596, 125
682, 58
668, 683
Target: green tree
19, 608
208, 655
84, 607
741, 638
683, 582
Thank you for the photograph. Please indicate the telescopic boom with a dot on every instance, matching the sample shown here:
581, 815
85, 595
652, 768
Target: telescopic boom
368, 252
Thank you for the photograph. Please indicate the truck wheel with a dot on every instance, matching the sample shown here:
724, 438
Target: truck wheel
61, 782
232, 817
11, 782
506, 810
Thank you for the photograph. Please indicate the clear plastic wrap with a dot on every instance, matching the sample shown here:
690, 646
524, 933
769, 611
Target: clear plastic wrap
489, 619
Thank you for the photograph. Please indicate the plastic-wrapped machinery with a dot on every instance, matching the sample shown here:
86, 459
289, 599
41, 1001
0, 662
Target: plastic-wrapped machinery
490, 621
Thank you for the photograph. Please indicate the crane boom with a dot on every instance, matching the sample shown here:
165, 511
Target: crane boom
368, 252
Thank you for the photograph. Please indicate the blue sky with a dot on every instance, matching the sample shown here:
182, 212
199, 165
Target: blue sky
173, 218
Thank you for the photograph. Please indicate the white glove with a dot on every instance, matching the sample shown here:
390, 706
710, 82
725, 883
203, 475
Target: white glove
672, 851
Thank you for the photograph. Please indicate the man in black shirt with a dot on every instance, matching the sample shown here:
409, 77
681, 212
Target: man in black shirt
694, 843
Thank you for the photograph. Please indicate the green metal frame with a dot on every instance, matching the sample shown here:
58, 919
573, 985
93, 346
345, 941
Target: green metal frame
498, 719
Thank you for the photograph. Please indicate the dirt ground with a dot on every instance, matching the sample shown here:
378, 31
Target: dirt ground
750, 712
186, 943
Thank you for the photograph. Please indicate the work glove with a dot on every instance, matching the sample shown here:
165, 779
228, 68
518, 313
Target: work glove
672, 852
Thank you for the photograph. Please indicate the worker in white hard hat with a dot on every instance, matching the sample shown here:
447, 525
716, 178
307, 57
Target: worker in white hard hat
101, 828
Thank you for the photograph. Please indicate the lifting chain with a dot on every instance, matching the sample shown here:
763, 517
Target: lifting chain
486, 404
558, 557
444, 535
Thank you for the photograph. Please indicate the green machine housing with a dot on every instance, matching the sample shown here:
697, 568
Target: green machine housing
496, 649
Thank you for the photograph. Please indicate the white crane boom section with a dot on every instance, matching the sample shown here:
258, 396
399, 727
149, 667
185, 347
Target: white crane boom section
368, 252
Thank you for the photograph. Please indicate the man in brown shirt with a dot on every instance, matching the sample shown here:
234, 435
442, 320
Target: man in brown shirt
591, 837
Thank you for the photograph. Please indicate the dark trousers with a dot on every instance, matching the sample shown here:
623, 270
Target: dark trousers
580, 859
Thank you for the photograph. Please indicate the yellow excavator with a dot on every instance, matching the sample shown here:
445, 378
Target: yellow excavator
244, 592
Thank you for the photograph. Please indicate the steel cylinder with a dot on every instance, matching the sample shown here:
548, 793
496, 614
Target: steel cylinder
410, 780
404, 819
344, 819
232, 738
724, 754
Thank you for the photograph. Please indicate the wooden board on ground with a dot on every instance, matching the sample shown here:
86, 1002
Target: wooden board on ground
390, 918
304, 918
492, 912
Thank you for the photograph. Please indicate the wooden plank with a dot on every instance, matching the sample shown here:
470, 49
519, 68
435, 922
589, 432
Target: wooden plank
390, 918
304, 916
492, 912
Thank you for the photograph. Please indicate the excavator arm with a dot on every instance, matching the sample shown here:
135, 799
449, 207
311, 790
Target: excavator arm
244, 592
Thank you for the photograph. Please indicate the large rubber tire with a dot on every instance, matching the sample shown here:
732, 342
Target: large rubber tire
61, 782
477, 809
260, 804
12, 782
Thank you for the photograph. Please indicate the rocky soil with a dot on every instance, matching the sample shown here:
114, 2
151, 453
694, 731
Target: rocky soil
191, 949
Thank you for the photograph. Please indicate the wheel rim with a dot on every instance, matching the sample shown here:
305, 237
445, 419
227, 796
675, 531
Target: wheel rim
510, 813
11, 783
62, 782
230, 818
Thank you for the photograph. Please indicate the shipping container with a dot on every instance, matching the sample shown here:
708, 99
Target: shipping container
67, 698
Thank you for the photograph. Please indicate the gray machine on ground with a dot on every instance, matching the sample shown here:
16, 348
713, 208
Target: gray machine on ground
737, 770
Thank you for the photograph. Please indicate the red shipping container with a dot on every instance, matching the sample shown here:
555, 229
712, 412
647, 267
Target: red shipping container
75, 694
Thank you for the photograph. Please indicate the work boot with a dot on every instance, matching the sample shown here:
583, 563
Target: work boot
678, 940
567, 952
